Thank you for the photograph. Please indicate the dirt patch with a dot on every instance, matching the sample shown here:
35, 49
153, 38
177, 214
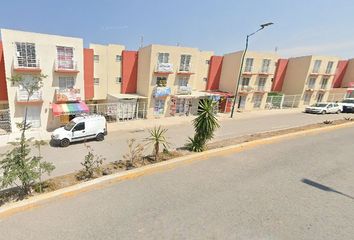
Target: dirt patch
55, 183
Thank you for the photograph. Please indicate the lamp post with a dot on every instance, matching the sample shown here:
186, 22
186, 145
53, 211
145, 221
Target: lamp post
241, 67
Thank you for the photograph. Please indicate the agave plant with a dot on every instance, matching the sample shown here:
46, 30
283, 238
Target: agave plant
204, 124
157, 137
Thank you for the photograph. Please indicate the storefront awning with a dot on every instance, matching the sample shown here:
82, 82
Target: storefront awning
69, 108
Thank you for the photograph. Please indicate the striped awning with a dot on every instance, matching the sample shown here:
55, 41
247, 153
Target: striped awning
69, 108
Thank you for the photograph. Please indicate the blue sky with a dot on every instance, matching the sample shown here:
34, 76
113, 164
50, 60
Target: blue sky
301, 27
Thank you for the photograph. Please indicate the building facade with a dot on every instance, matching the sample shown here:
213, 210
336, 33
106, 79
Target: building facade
60, 59
255, 81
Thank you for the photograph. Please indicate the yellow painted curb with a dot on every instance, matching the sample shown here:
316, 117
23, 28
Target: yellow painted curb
37, 201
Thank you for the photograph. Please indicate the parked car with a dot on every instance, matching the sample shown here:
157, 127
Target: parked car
323, 108
81, 128
347, 105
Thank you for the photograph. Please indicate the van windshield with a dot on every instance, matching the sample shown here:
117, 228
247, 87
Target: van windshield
69, 126
319, 105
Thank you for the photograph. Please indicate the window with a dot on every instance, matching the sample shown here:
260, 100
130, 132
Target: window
161, 81
245, 82
205, 79
66, 83
65, 57
96, 81
316, 66
307, 98
26, 54
118, 80
257, 100
261, 84
185, 63
324, 83
34, 116
249, 64
118, 58
207, 62
183, 81
96, 58
312, 82
319, 97
163, 57
265, 66
159, 107
329, 67
79, 127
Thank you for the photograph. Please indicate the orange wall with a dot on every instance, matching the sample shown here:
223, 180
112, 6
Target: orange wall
279, 75
3, 87
214, 73
340, 72
129, 71
88, 73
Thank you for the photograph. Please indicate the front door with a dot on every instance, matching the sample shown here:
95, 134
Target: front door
78, 132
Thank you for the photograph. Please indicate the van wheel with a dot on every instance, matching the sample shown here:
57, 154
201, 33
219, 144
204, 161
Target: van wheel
64, 142
100, 137
323, 112
338, 112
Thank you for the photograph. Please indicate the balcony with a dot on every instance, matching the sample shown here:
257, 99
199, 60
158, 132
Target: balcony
164, 68
26, 66
246, 89
266, 71
184, 90
67, 95
185, 70
248, 70
161, 92
22, 97
66, 66
260, 89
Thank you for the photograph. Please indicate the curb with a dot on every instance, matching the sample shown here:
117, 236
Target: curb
97, 183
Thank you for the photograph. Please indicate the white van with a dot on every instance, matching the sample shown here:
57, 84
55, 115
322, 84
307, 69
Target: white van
81, 128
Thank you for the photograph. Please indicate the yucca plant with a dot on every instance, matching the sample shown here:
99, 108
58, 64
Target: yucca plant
157, 137
204, 124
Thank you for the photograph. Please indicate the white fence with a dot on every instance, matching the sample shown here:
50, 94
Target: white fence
5, 122
119, 111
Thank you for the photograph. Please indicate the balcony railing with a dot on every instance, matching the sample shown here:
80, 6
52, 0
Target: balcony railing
164, 68
266, 71
162, 91
185, 68
323, 87
247, 69
22, 64
66, 66
184, 90
67, 95
260, 89
22, 96
246, 88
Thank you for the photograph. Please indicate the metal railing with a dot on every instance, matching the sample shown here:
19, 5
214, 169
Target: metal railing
185, 68
67, 65
184, 90
21, 62
5, 121
22, 95
164, 67
119, 111
283, 101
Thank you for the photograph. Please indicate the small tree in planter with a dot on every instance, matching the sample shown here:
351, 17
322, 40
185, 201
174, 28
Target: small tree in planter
205, 125
92, 164
134, 155
157, 137
17, 164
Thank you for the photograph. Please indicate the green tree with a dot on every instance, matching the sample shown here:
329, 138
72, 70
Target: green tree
92, 164
157, 137
204, 124
17, 164
46, 166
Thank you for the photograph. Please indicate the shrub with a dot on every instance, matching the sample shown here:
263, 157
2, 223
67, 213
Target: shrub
157, 137
92, 165
134, 155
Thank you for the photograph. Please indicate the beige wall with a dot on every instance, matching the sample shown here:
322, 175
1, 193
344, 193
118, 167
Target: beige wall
230, 70
349, 73
147, 62
46, 52
300, 71
107, 69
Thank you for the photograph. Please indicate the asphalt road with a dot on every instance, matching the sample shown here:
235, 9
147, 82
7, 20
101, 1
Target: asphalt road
300, 188
68, 159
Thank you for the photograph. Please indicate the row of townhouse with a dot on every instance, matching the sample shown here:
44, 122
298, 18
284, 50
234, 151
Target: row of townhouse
154, 81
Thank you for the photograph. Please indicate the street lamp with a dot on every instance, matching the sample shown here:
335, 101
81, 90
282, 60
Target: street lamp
241, 67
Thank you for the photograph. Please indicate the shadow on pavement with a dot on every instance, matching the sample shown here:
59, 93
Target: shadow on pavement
323, 187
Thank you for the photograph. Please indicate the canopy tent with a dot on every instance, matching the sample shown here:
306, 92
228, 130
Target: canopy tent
69, 108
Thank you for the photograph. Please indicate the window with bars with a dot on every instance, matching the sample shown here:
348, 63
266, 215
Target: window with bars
96, 81
26, 55
261, 84
265, 65
249, 65
312, 83
324, 83
257, 100
307, 98
183, 81
163, 57
66, 83
118, 58
65, 57
185, 63
245, 82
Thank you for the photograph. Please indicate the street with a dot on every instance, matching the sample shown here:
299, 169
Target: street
114, 146
299, 188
